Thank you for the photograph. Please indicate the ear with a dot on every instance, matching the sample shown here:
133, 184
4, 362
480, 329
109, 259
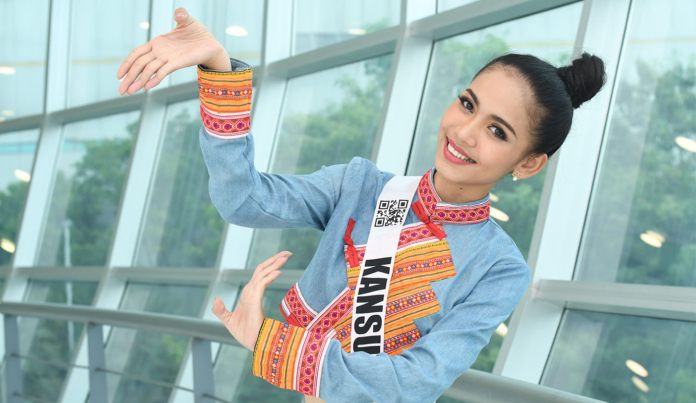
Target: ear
531, 166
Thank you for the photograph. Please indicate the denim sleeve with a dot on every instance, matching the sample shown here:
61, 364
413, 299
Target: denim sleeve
242, 195
420, 374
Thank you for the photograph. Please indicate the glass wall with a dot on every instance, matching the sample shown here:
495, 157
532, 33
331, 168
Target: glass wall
17, 150
182, 227
617, 358
49, 345
103, 33
87, 188
641, 226
147, 354
23, 40
320, 23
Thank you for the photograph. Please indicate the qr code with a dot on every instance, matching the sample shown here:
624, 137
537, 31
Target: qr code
390, 212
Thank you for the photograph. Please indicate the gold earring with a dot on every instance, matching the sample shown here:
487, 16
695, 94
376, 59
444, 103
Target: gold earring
514, 178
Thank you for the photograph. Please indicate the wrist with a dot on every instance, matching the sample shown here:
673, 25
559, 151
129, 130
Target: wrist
219, 62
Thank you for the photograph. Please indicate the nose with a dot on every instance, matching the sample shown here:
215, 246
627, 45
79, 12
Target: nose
466, 133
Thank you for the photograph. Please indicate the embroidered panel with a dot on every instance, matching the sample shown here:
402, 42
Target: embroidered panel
225, 102
410, 294
444, 212
297, 308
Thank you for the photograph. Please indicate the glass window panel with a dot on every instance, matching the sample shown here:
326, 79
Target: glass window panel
549, 35
233, 380
48, 340
616, 358
238, 26
23, 39
320, 23
17, 151
328, 118
61, 292
148, 354
103, 34
170, 299
182, 227
641, 225
51, 340
443, 5
87, 188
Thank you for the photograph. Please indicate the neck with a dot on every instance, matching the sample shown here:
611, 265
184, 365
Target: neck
450, 192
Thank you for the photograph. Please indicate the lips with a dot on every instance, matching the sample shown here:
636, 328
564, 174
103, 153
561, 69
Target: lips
459, 150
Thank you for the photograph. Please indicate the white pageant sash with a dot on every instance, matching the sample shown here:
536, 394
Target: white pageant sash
370, 297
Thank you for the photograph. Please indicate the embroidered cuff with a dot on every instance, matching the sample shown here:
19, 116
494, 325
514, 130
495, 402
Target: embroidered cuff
289, 356
295, 309
226, 100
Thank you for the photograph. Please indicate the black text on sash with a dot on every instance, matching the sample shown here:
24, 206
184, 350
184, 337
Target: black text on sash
370, 309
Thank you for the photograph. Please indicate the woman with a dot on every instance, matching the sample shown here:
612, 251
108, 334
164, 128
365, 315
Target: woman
455, 275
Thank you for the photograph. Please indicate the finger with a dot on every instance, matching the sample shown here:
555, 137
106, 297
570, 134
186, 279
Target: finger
271, 259
134, 71
148, 72
277, 264
182, 18
163, 72
220, 311
132, 57
270, 278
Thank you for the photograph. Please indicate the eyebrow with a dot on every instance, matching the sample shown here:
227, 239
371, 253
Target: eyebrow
495, 117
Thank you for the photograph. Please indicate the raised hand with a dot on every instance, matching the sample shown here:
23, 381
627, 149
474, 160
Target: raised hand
189, 44
246, 320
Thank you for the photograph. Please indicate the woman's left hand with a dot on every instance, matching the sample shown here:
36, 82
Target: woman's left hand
246, 320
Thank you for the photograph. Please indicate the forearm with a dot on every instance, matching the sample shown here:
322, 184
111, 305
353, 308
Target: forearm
242, 195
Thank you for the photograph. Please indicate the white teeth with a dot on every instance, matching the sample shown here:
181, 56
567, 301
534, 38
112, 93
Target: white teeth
456, 154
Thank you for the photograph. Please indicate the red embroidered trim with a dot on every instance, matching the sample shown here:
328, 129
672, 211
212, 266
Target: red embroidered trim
423, 216
439, 211
409, 302
291, 318
404, 339
226, 126
296, 305
320, 332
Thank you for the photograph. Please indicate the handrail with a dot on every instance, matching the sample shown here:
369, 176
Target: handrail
473, 386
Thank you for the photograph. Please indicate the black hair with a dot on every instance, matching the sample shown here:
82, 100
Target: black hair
555, 93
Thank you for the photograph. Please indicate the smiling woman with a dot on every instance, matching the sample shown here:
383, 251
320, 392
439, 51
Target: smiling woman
408, 269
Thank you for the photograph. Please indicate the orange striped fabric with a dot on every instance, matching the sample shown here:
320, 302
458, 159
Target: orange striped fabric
225, 102
275, 352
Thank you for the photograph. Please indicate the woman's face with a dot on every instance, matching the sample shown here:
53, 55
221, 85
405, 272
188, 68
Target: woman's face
489, 124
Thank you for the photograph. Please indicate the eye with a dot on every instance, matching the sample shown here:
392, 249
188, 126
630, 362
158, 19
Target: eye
498, 132
465, 101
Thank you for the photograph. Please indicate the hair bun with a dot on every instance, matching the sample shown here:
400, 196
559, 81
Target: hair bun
583, 78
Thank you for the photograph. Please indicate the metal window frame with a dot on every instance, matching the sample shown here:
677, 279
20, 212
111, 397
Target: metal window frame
557, 231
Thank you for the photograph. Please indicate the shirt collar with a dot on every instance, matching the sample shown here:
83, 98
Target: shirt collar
451, 213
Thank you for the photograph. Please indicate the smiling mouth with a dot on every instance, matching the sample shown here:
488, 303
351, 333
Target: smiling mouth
454, 152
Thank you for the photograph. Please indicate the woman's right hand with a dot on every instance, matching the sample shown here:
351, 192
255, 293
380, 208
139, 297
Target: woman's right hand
189, 44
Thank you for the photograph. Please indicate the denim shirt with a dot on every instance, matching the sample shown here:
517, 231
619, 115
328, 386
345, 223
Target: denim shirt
487, 280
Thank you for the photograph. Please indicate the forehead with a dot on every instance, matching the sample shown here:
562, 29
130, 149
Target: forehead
502, 93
